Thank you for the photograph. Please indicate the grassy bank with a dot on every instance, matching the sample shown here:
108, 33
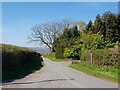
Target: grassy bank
110, 73
52, 57
18, 62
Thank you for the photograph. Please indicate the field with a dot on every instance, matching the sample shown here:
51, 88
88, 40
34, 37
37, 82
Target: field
52, 57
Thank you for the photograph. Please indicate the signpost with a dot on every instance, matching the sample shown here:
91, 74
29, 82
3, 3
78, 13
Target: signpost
91, 61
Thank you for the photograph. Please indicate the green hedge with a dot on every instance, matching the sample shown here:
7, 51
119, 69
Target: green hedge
102, 57
18, 61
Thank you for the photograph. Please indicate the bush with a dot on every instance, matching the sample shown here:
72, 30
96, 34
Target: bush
67, 53
73, 52
110, 45
117, 44
59, 53
85, 55
106, 57
18, 61
102, 57
94, 41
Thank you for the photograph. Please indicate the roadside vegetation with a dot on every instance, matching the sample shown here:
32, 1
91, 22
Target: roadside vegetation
18, 62
110, 73
52, 57
78, 40
98, 69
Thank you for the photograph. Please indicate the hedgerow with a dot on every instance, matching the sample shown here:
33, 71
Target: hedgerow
19, 61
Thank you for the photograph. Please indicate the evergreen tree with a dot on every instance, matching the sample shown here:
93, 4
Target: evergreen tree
103, 29
67, 39
89, 26
97, 24
110, 25
74, 31
118, 28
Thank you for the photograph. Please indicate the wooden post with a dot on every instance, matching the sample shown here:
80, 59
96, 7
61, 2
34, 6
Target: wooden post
91, 61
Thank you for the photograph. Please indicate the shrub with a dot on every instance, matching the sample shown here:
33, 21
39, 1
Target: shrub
102, 57
94, 41
110, 45
117, 44
19, 61
73, 52
59, 52
85, 55
67, 53
106, 57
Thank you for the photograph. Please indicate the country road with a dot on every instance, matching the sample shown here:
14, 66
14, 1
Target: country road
58, 75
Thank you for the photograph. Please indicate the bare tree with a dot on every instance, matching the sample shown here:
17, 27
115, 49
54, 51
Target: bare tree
81, 24
48, 32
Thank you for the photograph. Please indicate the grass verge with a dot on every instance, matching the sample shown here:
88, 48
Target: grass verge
52, 57
110, 73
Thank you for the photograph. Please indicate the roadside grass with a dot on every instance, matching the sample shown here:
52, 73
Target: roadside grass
52, 57
110, 73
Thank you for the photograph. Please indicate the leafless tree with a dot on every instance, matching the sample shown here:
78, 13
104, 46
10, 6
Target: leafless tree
81, 24
48, 32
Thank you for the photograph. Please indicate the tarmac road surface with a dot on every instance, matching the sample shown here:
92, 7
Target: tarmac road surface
58, 75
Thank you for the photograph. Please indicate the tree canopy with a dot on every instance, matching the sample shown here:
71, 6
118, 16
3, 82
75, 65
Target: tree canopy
102, 33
